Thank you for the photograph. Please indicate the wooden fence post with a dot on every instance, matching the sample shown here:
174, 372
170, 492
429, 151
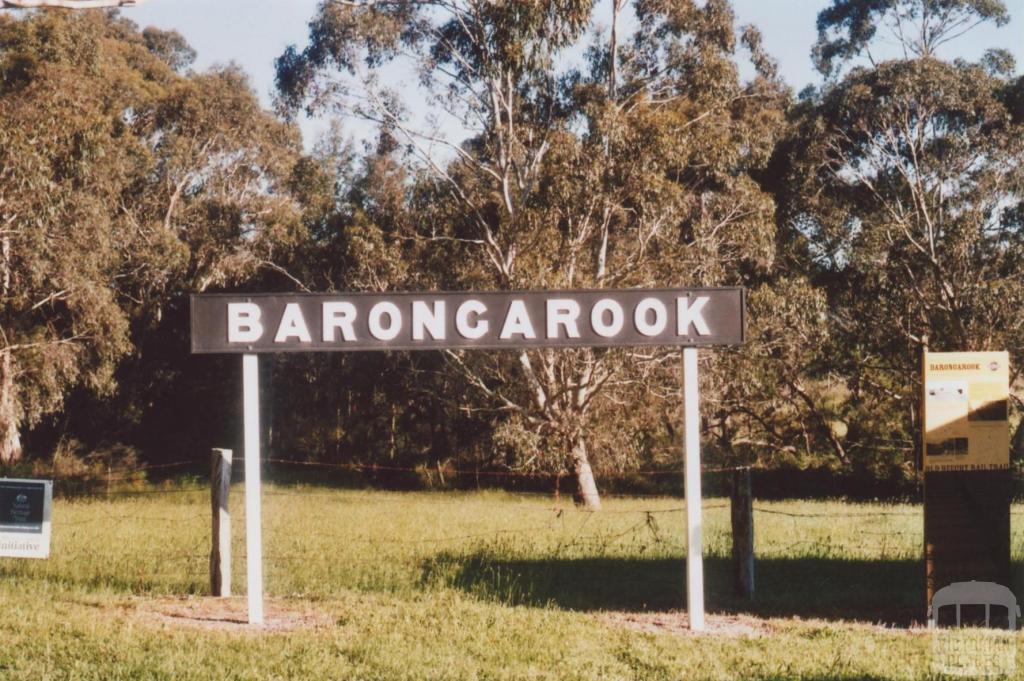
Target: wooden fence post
220, 549
742, 513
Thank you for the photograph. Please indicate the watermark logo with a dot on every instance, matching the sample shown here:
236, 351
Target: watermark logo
965, 651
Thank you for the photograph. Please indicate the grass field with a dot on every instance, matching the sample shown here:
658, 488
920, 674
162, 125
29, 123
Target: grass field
486, 585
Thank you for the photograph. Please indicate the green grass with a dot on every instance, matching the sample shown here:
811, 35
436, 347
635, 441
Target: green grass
467, 586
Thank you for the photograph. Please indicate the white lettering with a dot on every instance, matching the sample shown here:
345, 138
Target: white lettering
338, 316
660, 316
394, 327
292, 325
426, 319
563, 312
517, 321
244, 323
687, 314
597, 314
466, 329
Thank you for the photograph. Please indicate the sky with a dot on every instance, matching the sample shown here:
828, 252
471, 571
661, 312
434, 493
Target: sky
254, 32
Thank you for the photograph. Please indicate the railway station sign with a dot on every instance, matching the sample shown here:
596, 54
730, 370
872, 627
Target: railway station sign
25, 507
966, 426
431, 321
282, 322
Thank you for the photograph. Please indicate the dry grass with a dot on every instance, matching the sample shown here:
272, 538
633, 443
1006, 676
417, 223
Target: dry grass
415, 586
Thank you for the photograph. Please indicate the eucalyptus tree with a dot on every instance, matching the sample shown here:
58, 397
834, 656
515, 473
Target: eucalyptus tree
848, 29
904, 194
630, 168
61, 167
124, 183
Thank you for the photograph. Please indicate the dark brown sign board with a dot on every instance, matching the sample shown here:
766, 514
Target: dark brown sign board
285, 322
966, 528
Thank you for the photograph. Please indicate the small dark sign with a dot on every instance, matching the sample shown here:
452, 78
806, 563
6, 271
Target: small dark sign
25, 507
21, 506
439, 320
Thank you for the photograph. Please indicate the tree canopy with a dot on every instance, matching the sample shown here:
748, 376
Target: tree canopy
635, 168
847, 28
556, 144
123, 184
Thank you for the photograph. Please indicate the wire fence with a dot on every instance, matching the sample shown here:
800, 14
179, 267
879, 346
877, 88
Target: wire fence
136, 481
104, 488
580, 563
548, 527
490, 473
646, 515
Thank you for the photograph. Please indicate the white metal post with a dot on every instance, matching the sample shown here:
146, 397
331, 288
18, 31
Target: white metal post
694, 520
253, 533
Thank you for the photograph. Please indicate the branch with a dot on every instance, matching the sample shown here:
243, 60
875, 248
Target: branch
473, 378
9, 349
539, 395
280, 270
837, 446
58, 295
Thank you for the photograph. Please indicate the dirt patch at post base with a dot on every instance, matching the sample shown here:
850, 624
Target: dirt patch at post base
228, 614
679, 624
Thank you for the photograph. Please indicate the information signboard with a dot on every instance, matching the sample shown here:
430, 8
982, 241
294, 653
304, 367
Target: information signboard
966, 460
25, 507
966, 426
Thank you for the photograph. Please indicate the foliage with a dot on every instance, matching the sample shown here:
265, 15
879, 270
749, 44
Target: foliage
847, 28
64, 156
904, 194
788, 408
634, 169
557, 144
123, 185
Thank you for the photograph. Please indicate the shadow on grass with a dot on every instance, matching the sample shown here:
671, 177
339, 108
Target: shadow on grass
138, 584
883, 591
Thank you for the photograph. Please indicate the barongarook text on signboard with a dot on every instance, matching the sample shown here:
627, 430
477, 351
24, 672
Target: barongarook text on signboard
408, 321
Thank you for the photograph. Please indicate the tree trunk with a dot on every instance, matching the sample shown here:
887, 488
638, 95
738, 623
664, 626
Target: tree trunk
613, 50
10, 442
587, 494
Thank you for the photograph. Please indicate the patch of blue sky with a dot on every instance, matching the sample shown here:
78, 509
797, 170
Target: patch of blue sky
253, 33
